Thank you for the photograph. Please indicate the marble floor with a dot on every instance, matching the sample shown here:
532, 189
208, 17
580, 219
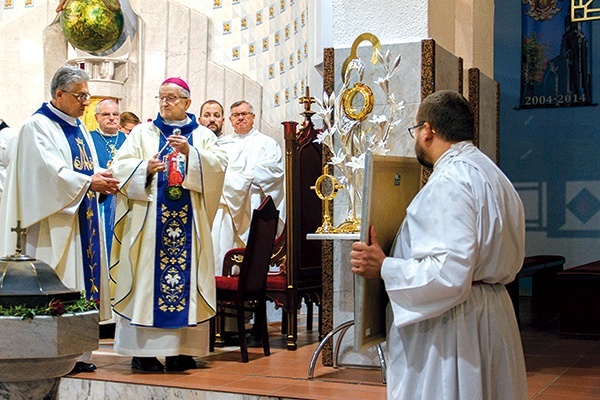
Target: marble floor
556, 369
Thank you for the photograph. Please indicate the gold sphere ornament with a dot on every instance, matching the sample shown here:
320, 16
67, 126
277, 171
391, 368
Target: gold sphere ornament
93, 26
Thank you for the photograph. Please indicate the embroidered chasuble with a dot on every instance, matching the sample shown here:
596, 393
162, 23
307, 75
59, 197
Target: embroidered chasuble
162, 272
88, 209
48, 191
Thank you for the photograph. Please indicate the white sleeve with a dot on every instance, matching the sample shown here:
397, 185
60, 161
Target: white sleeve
434, 272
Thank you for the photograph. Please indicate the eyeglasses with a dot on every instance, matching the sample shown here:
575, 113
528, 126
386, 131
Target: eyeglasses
411, 130
81, 97
168, 99
108, 115
241, 114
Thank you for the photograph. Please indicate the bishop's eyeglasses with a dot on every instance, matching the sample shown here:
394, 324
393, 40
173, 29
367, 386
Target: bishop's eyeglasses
168, 99
412, 129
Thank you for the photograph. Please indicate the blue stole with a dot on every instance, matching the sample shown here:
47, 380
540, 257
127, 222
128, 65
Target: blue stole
173, 251
88, 208
108, 203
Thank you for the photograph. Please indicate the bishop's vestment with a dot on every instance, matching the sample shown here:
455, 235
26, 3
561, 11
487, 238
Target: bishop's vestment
162, 270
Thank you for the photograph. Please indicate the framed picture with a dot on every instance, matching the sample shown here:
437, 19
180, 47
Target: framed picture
389, 186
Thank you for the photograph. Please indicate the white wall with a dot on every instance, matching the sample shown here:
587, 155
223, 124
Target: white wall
391, 21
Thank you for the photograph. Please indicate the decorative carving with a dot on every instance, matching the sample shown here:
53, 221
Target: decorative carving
542, 10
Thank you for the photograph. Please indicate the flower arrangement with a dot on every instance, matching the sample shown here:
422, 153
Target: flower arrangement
349, 137
54, 308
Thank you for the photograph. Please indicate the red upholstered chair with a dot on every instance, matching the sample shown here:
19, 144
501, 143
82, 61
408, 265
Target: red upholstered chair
247, 291
300, 278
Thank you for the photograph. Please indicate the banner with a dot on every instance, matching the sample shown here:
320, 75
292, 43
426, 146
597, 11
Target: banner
555, 56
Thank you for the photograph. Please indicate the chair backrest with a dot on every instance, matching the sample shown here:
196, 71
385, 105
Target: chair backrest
303, 207
259, 248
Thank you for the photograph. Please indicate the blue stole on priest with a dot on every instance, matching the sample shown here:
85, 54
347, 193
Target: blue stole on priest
174, 225
88, 208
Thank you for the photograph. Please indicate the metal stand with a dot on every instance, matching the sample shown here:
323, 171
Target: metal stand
343, 328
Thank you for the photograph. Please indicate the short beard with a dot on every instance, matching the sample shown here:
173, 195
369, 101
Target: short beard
421, 157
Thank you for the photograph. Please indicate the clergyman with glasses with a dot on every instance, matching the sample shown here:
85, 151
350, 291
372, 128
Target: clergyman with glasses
53, 185
255, 170
162, 272
107, 140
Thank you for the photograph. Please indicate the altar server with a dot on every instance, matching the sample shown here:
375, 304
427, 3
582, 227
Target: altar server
454, 333
162, 258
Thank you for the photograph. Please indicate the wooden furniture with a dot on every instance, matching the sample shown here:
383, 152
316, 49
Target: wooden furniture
543, 269
247, 291
301, 273
579, 293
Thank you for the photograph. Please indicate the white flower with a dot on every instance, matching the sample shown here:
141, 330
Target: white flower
395, 65
320, 137
397, 122
356, 163
331, 100
378, 119
339, 158
379, 148
383, 83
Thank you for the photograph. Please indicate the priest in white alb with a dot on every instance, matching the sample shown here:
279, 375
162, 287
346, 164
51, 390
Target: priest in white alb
255, 170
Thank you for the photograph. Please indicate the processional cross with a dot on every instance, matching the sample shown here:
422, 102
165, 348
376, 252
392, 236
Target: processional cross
307, 100
21, 237
21, 241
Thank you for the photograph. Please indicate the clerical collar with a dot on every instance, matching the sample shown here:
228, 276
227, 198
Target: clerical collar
67, 118
177, 123
185, 126
100, 131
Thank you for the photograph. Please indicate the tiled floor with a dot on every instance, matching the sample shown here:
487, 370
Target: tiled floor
556, 368
283, 374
